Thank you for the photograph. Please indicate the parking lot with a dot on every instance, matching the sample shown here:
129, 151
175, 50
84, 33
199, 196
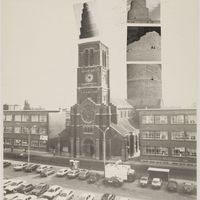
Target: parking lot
130, 190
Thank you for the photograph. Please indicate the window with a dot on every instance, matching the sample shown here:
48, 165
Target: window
34, 143
42, 143
18, 118
24, 142
8, 129
161, 119
104, 58
191, 135
86, 57
34, 118
17, 129
34, 130
88, 129
17, 142
178, 151
25, 130
191, 152
155, 135
8, 141
157, 151
177, 119
25, 118
43, 131
43, 118
190, 119
148, 119
8, 118
178, 135
91, 57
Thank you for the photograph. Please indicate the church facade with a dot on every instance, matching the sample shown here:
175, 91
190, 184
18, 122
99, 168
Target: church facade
94, 115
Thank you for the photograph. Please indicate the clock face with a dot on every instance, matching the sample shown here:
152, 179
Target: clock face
87, 114
89, 77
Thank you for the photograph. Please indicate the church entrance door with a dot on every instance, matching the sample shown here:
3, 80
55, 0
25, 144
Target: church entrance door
88, 148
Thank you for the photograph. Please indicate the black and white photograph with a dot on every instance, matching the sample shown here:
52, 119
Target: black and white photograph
144, 43
95, 107
143, 11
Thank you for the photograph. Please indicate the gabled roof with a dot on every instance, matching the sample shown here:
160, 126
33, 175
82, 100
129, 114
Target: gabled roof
121, 103
124, 128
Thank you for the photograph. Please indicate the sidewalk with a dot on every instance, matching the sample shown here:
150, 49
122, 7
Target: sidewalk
43, 157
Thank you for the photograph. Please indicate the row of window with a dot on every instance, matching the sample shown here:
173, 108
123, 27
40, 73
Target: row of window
125, 114
33, 130
88, 129
25, 118
174, 119
24, 142
89, 57
163, 151
163, 135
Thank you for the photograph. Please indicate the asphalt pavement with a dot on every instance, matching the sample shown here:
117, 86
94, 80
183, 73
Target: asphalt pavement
131, 190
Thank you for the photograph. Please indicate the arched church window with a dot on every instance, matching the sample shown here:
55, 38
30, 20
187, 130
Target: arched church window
91, 57
104, 58
86, 57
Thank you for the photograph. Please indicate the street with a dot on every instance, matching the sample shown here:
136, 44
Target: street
130, 190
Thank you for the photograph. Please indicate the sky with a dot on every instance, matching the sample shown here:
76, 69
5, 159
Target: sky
40, 55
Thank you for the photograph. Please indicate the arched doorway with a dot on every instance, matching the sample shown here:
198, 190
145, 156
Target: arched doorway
88, 148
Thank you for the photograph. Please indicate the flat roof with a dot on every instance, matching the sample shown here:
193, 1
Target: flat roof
31, 111
152, 109
158, 169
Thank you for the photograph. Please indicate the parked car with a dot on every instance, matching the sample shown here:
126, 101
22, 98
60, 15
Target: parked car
11, 196
31, 167
7, 182
113, 181
123, 198
32, 197
172, 185
73, 173
52, 192
6, 164
25, 188
84, 174
46, 172
156, 183
14, 186
65, 195
144, 180
188, 187
87, 196
108, 196
40, 189
63, 172
20, 166
93, 178
19, 196
42, 167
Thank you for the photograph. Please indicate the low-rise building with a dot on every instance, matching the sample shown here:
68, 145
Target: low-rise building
168, 135
24, 127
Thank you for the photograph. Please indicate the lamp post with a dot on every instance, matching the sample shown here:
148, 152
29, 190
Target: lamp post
104, 145
29, 141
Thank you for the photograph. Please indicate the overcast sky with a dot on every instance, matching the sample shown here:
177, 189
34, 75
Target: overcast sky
40, 54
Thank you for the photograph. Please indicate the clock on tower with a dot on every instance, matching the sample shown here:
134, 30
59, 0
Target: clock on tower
93, 73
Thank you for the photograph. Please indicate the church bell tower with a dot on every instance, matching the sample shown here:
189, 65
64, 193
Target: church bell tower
91, 115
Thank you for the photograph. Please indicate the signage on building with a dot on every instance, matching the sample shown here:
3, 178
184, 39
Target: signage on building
43, 137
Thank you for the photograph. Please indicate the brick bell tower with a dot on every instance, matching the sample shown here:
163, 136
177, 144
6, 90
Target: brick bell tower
91, 115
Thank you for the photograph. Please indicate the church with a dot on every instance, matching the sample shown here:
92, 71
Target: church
97, 124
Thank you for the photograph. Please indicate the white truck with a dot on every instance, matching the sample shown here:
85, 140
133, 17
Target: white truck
121, 171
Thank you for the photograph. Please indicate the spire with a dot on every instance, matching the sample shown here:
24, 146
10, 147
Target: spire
88, 27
